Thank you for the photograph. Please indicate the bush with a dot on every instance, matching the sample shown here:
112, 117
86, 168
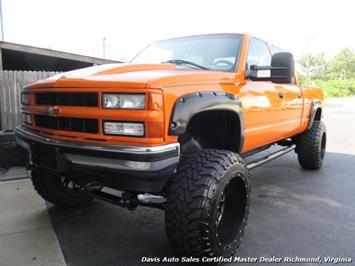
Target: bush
336, 88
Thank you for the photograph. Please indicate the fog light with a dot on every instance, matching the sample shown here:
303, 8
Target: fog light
124, 129
27, 118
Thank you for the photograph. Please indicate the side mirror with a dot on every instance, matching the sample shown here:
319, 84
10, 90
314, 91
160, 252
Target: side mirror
282, 67
281, 70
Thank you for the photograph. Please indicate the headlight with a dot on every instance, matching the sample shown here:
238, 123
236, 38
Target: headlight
123, 101
27, 118
25, 98
124, 129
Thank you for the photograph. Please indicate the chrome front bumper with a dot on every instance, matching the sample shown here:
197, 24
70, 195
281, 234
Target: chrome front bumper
107, 157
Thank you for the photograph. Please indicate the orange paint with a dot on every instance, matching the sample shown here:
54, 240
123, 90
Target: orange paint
267, 117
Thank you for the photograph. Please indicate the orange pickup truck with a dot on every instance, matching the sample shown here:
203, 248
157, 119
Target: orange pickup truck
171, 130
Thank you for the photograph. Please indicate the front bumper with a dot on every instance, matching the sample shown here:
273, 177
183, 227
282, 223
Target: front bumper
119, 162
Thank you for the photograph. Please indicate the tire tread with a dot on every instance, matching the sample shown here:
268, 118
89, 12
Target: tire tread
50, 188
308, 146
190, 195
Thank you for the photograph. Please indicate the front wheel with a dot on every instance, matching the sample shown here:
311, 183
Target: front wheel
208, 204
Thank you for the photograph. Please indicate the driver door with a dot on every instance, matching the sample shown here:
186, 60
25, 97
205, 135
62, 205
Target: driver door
262, 101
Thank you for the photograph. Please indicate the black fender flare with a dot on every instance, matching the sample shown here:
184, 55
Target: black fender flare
315, 105
189, 105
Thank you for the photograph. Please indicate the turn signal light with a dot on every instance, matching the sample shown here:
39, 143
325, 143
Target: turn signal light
155, 101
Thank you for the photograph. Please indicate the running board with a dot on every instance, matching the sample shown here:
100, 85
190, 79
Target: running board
270, 157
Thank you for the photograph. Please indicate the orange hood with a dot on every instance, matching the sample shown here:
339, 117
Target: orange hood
131, 76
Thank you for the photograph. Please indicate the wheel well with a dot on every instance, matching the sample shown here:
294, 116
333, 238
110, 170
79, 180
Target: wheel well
318, 115
215, 129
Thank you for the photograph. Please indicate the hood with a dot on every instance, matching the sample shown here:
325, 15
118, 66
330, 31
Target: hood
132, 76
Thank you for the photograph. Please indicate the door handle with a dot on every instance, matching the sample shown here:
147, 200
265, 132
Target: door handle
281, 95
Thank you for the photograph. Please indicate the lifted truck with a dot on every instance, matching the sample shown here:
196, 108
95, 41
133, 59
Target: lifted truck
171, 130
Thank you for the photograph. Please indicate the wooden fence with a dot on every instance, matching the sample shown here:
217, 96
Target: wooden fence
11, 84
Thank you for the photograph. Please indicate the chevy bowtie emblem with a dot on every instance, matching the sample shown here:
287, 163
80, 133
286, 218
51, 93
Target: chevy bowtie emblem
53, 110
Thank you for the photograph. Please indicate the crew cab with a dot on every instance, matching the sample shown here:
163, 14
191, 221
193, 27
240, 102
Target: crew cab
171, 129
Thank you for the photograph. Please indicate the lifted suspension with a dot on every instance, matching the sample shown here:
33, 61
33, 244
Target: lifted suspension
127, 199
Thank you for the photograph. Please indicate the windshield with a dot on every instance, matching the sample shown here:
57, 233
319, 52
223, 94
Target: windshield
213, 52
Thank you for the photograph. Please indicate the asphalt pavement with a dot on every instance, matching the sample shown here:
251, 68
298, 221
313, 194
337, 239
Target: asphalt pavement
294, 212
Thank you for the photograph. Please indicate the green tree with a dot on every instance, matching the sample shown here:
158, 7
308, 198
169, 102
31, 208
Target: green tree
336, 77
322, 67
314, 66
343, 65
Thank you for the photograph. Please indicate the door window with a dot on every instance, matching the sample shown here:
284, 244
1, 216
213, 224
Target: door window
259, 54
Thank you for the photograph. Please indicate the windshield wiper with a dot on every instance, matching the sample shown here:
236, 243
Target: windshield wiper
184, 62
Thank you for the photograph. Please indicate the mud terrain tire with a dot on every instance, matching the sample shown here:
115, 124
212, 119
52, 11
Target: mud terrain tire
311, 146
208, 204
52, 188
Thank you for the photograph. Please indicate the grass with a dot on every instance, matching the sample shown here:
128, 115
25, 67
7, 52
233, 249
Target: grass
336, 88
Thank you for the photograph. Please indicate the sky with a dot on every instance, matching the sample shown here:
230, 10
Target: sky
80, 26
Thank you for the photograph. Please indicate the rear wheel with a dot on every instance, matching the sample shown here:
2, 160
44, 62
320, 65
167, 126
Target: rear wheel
208, 204
311, 146
59, 190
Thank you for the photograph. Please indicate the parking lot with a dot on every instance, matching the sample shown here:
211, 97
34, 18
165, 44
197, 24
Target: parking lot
293, 213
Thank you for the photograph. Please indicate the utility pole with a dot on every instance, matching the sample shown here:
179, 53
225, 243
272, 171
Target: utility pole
103, 46
1, 23
1, 38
